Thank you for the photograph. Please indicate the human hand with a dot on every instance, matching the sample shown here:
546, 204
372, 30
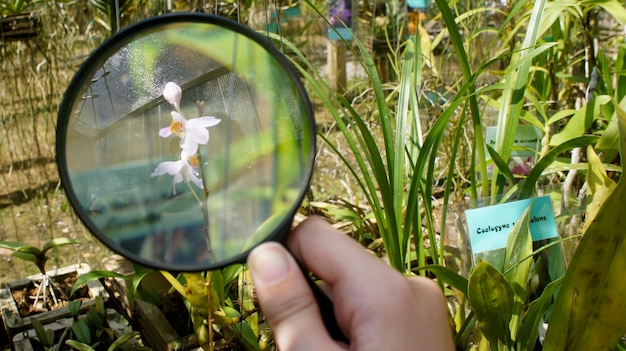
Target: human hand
376, 307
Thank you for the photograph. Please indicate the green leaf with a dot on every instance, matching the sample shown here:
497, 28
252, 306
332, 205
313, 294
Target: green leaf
79, 345
15, 246
58, 242
95, 320
516, 265
175, 283
613, 7
217, 285
491, 298
599, 184
42, 334
581, 120
502, 165
447, 276
74, 307
559, 115
528, 185
123, 339
95, 275
248, 335
459, 48
22, 251
26, 256
231, 273
82, 331
608, 143
528, 331
590, 311
140, 273
518, 76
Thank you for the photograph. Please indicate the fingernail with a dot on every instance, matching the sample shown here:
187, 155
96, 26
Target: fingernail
268, 264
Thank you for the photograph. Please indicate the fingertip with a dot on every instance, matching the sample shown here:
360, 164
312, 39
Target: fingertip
269, 264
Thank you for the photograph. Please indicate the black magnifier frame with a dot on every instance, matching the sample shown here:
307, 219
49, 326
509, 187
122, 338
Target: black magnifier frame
85, 76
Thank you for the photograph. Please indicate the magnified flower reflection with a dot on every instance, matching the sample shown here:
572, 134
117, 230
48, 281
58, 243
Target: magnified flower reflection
192, 133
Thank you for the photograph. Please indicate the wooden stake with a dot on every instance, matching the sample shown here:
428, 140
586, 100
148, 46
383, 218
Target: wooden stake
337, 65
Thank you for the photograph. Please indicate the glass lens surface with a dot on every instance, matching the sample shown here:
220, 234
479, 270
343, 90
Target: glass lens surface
185, 144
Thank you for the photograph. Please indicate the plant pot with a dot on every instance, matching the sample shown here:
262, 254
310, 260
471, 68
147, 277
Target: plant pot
158, 328
118, 287
19, 27
27, 339
16, 322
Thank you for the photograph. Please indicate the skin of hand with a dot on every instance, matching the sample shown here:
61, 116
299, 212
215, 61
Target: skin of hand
376, 306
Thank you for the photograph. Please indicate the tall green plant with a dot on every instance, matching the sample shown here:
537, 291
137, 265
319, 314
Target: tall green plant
39, 257
380, 170
111, 12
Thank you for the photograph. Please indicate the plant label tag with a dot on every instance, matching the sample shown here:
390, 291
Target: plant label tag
340, 19
489, 227
526, 141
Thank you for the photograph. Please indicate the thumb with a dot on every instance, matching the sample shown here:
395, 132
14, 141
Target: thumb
286, 300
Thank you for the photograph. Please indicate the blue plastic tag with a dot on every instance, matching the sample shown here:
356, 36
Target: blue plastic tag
489, 227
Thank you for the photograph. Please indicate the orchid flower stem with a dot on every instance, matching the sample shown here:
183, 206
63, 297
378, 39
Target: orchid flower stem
205, 190
203, 205
194, 193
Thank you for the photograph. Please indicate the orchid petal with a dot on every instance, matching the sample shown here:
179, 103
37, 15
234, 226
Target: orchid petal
198, 135
169, 167
192, 176
165, 132
205, 121
178, 177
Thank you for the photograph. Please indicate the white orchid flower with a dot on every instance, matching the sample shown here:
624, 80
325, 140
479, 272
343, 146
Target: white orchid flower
192, 132
184, 169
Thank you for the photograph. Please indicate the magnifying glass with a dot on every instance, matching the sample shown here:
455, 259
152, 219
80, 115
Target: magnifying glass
184, 141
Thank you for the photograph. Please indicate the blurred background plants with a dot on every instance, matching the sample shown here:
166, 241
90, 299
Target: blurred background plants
401, 149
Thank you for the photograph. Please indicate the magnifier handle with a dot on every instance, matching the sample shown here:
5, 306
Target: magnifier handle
326, 310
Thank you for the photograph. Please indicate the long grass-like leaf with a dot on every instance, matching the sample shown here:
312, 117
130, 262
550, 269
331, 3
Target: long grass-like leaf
457, 42
512, 99
427, 154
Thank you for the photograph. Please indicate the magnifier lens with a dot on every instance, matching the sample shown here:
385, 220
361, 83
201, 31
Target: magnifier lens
184, 141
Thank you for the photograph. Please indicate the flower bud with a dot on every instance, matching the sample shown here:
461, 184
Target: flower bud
172, 93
